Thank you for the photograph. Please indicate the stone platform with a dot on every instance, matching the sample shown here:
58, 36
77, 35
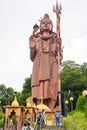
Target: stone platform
53, 128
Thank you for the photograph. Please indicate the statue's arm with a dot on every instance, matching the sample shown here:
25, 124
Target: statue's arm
32, 45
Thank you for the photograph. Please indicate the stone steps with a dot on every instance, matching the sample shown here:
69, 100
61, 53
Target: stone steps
53, 128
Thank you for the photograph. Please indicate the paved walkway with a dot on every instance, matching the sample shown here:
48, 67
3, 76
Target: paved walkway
48, 128
53, 128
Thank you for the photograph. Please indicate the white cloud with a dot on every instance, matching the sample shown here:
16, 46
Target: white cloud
76, 50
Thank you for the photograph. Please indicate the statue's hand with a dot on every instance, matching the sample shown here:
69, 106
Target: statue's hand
32, 42
35, 29
59, 41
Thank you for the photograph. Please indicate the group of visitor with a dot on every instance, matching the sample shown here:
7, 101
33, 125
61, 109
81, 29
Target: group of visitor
40, 121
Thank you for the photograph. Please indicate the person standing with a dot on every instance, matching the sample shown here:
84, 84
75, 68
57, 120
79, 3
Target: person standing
42, 118
57, 118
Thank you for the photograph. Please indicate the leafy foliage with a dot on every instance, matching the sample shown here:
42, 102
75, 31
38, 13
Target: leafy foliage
27, 86
81, 104
73, 79
1, 118
76, 121
6, 95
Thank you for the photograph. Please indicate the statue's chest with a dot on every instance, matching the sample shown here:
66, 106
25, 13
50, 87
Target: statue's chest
44, 46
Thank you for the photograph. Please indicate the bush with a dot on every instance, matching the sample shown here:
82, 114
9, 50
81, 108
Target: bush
81, 104
77, 121
1, 122
1, 116
14, 118
1, 119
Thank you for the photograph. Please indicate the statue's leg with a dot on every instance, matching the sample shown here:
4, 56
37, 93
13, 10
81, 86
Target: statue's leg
51, 103
45, 102
38, 101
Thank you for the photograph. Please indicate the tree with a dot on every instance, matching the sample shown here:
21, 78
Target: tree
73, 79
9, 94
26, 92
69, 64
84, 68
27, 86
6, 95
70, 76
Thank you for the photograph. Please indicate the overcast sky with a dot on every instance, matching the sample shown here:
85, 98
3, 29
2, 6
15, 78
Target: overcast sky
17, 18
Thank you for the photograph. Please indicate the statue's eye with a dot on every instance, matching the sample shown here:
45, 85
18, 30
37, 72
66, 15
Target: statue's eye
48, 22
43, 22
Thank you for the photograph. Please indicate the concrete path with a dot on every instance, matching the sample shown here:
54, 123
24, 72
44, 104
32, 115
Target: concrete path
48, 128
53, 128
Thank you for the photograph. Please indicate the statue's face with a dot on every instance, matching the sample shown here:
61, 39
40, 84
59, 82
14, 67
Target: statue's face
46, 25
